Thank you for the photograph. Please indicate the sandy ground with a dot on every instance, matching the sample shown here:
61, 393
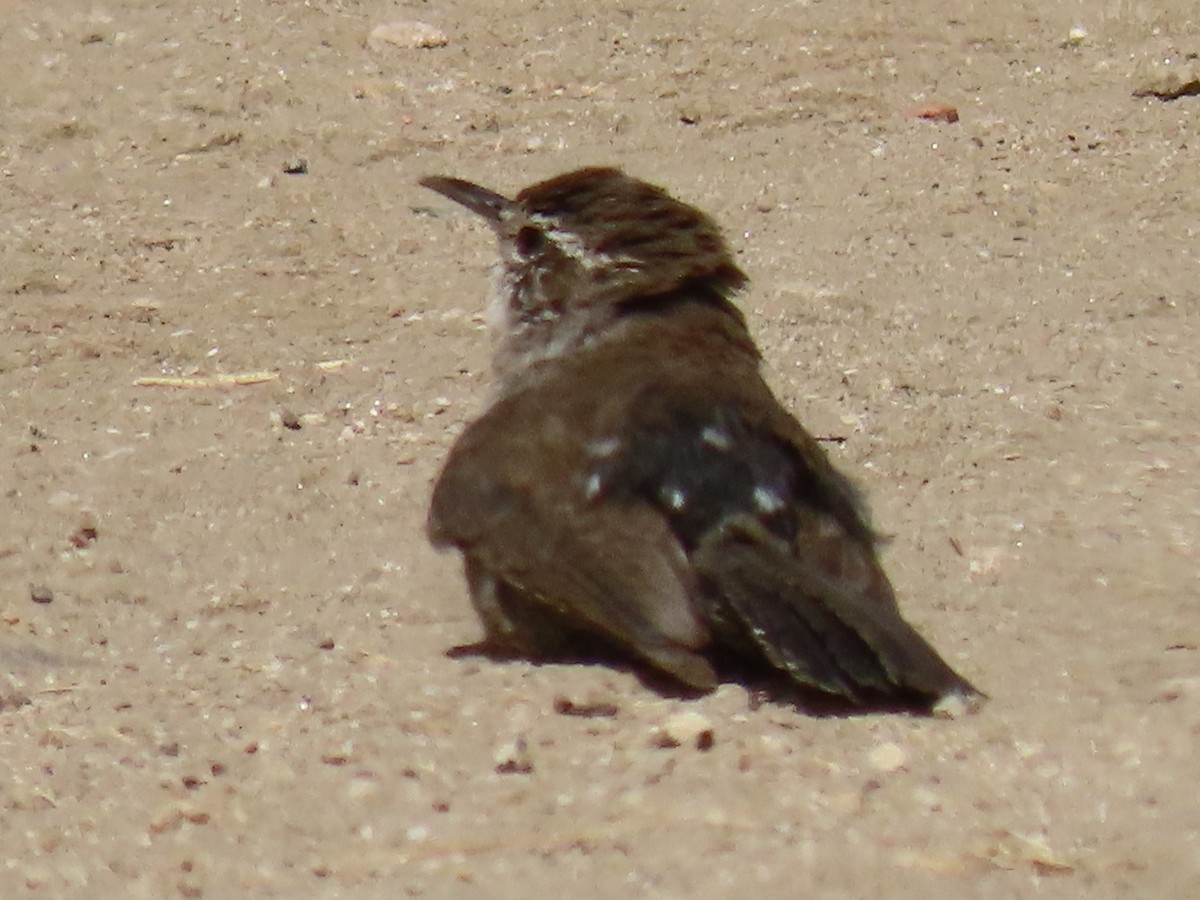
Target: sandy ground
223, 632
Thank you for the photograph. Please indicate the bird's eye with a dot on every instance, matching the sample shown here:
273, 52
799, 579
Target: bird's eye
529, 240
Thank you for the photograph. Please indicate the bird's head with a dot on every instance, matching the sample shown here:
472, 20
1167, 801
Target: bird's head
579, 251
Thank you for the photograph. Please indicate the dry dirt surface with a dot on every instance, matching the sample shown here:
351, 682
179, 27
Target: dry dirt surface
237, 339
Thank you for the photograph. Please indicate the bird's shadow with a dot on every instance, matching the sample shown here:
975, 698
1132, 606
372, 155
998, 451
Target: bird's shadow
762, 687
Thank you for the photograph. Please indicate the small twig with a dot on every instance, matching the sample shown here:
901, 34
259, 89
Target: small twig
221, 140
224, 379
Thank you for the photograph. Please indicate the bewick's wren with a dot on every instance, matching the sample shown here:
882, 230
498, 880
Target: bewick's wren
634, 485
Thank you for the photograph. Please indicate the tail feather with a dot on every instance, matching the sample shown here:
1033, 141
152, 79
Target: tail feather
822, 611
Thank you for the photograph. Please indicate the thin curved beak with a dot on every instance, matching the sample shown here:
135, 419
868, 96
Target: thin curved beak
488, 204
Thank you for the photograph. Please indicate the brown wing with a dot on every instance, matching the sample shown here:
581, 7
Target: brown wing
513, 498
778, 538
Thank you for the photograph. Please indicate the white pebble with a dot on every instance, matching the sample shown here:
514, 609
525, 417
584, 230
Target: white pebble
686, 727
888, 757
955, 705
513, 758
406, 35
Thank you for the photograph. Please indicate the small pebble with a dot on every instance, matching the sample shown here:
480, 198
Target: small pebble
39, 593
1076, 37
888, 757
956, 705
513, 758
685, 728
600, 709
1167, 79
83, 536
934, 112
406, 35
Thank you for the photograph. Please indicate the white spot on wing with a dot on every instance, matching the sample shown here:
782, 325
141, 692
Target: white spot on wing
716, 437
593, 486
673, 496
604, 448
767, 500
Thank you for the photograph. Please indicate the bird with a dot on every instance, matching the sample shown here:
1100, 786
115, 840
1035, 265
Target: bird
633, 490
